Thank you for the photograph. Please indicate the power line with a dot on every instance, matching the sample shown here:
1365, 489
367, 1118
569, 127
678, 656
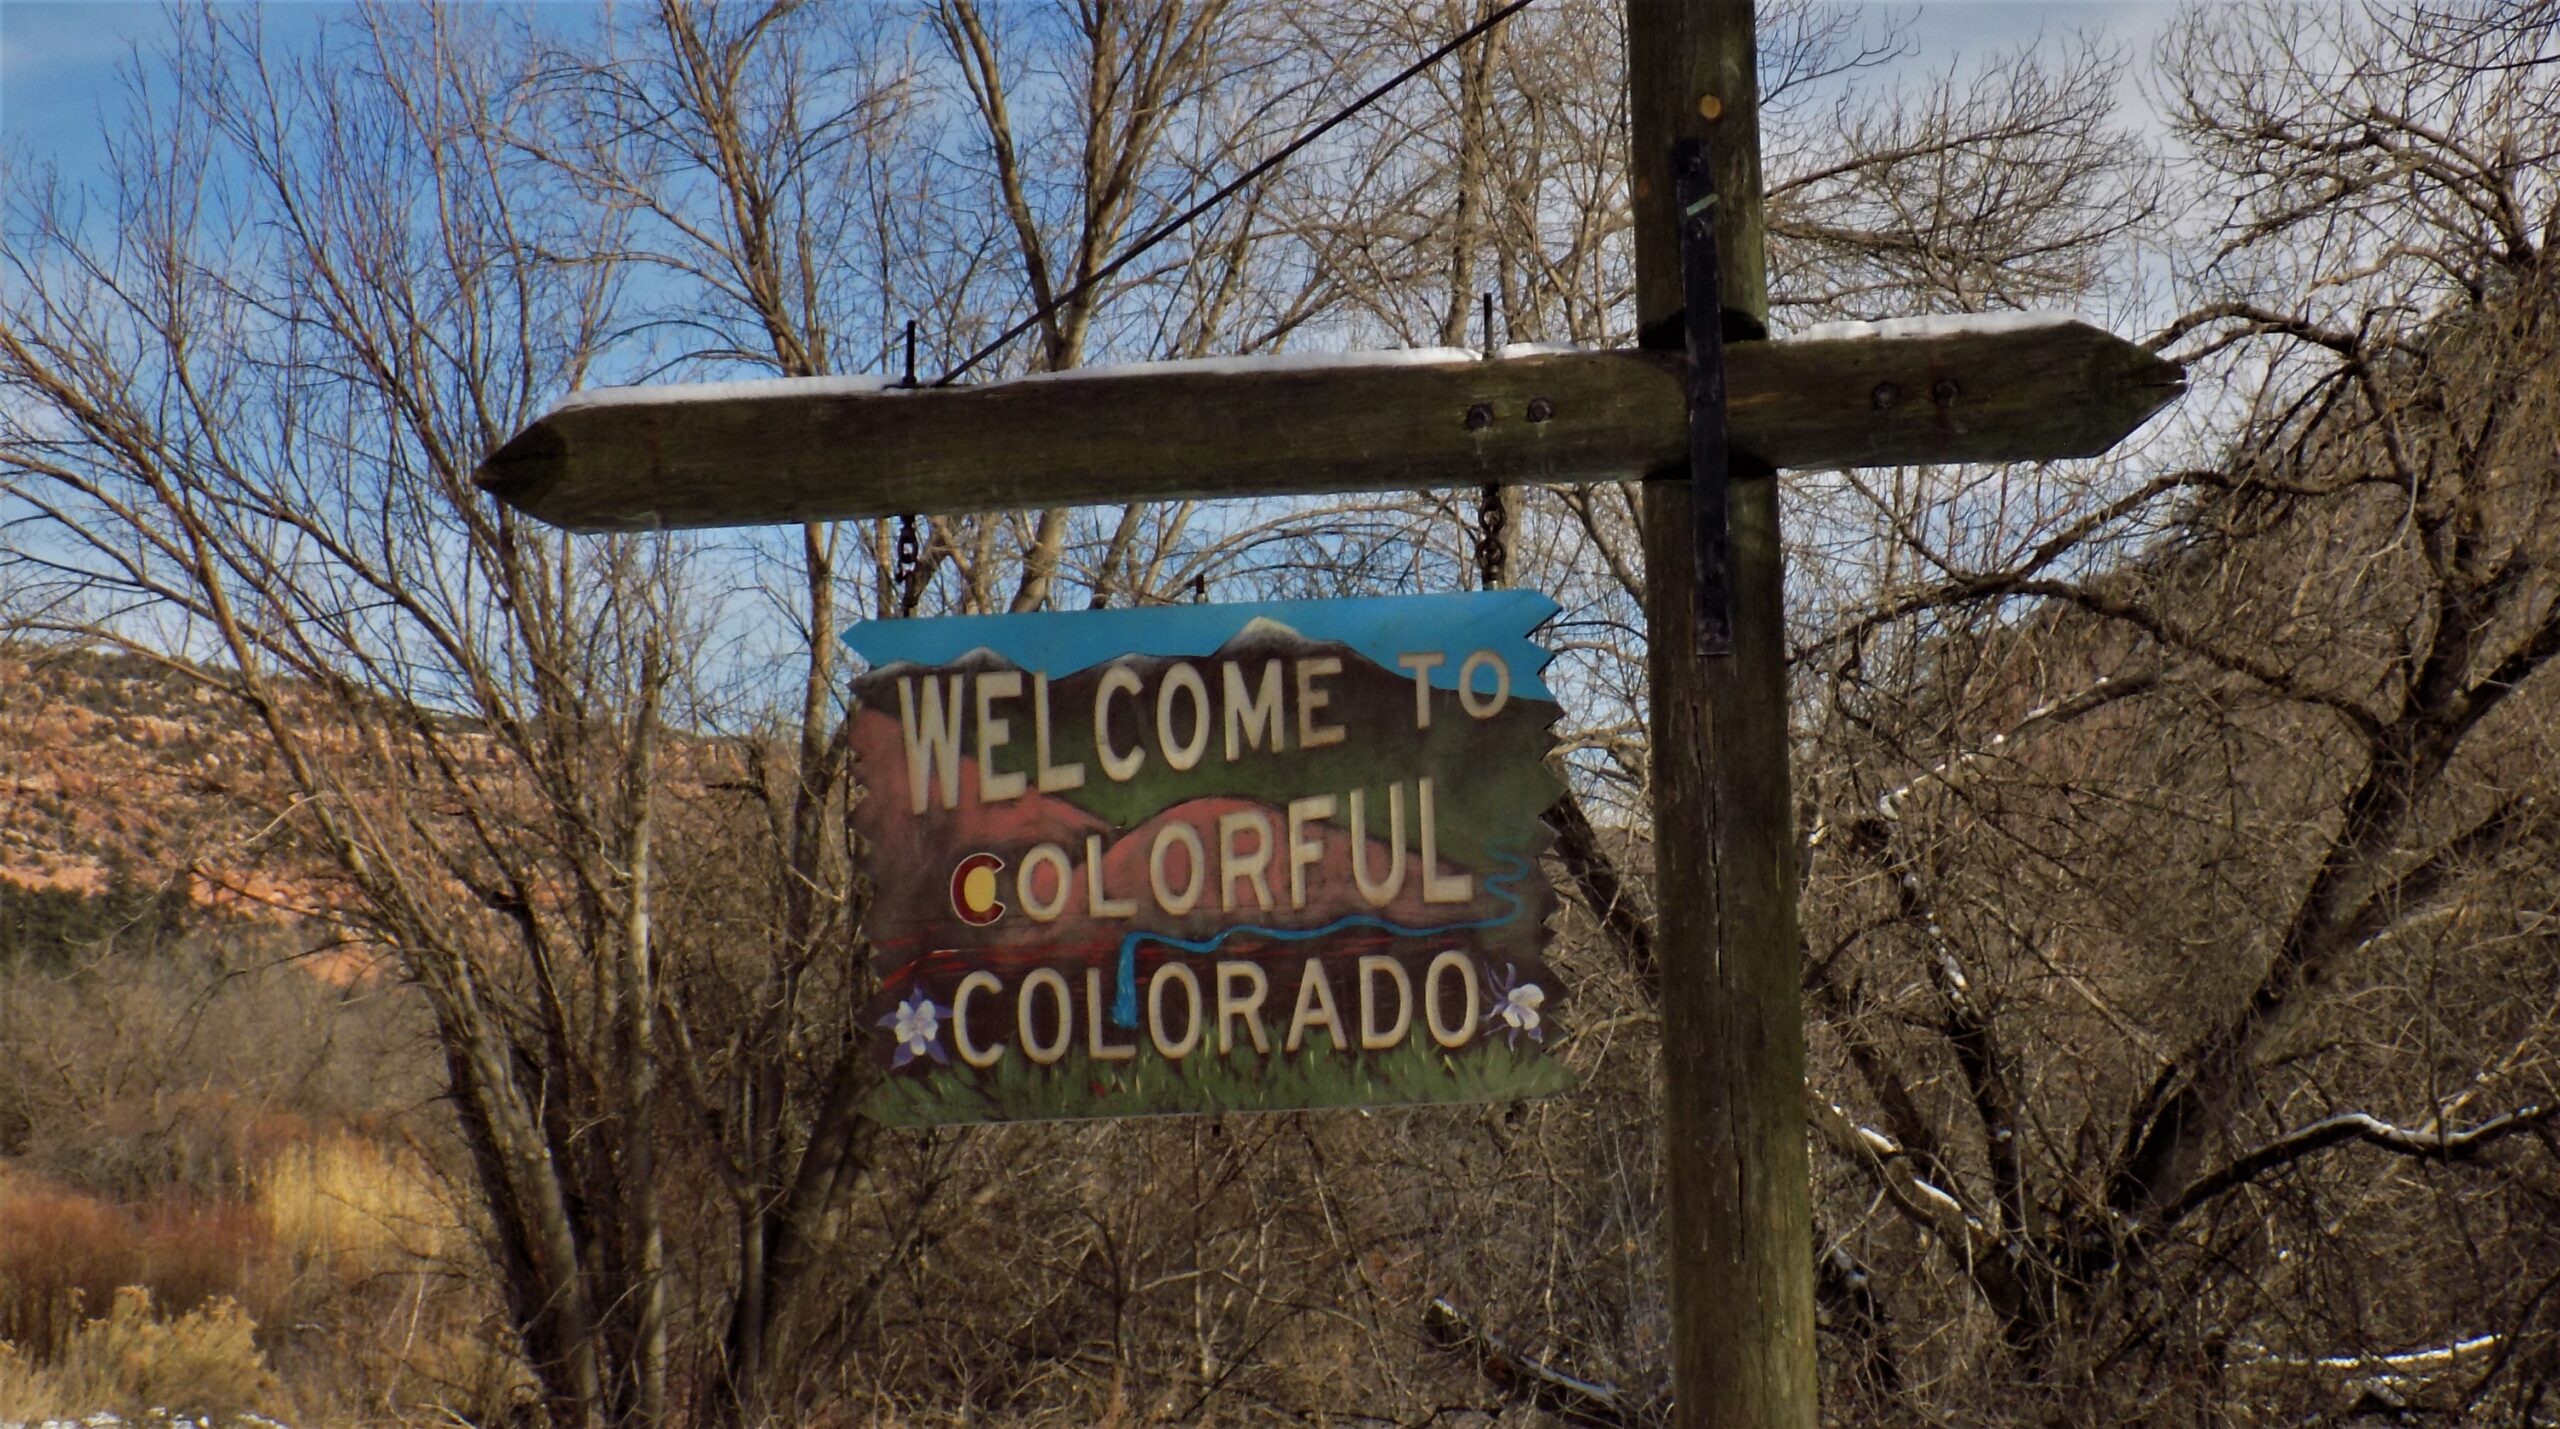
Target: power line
1183, 220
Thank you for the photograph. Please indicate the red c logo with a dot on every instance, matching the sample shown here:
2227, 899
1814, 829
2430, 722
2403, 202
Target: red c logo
973, 890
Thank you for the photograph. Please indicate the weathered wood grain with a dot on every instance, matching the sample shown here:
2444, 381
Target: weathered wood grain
1738, 1247
2031, 393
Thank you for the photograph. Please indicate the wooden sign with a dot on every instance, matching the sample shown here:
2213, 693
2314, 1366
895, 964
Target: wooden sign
1208, 858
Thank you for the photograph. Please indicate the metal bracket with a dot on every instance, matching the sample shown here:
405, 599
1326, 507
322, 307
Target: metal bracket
1694, 188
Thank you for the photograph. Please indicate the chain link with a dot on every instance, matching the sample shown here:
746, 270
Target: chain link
910, 553
1490, 517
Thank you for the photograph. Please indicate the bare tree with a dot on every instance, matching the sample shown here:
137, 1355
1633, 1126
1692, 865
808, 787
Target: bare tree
243, 421
2176, 837
2174, 811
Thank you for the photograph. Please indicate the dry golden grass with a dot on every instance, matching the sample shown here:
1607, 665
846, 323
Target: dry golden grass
341, 1243
382, 1270
352, 1209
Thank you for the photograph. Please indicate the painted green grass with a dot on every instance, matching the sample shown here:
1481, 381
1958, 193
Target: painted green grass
1016, 1089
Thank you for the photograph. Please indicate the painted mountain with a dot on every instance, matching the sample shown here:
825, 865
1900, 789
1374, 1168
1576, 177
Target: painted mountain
1208, 858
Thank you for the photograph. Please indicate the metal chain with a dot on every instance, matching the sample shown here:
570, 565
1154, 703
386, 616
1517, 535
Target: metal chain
1490, 517
1490, 521
910, 553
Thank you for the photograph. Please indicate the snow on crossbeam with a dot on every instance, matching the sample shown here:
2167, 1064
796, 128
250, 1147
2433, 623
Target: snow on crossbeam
1934, 325
752, 453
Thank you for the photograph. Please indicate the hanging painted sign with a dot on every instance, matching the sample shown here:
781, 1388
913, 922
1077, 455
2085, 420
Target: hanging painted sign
1207, 858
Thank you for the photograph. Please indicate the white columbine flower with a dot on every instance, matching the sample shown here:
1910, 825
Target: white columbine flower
1517, 1008
917, 1025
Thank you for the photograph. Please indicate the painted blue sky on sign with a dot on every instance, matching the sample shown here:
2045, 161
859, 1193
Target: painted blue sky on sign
1379, 627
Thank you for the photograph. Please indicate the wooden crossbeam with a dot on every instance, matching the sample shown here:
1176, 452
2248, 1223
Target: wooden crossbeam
780, 452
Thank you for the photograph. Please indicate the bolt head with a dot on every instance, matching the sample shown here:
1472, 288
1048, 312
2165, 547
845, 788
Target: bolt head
1479, 416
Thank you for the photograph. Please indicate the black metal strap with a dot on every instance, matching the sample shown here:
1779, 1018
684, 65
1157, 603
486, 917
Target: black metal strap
910, 551
1694, 186
1490, 516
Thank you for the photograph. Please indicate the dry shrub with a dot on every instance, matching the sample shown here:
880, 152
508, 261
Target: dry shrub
64, 1255
27, 1391
192, 1254
432, 1364
129, 1362
60, 1253
432, 1348
345, 1246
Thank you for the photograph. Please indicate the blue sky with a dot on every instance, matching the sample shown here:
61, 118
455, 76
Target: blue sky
63, 68
60, 59
57, 62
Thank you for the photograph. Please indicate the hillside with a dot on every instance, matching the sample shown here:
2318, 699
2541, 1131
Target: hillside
126, 783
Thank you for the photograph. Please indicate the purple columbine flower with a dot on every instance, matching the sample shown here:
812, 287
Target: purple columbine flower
917, 1024
1517, 1008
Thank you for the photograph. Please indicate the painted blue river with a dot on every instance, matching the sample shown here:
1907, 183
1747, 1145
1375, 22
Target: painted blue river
1124, 1002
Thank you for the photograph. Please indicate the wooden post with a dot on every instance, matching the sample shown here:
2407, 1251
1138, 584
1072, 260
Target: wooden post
1740, 1257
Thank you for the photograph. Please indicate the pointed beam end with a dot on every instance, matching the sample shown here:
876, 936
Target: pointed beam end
2136, 384
524, 471
1949, 391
